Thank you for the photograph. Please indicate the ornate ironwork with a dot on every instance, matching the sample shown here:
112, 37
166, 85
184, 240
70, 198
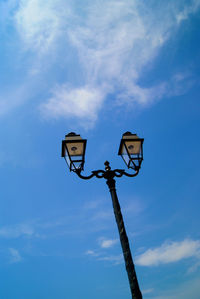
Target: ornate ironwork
109, 175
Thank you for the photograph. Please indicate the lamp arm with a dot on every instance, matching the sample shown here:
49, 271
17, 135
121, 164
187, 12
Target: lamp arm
121, 172
108, 174
97, 173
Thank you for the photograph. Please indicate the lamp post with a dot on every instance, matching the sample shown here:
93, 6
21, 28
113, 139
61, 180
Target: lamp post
73, 150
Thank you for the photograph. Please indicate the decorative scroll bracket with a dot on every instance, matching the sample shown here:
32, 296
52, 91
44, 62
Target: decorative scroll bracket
107, 174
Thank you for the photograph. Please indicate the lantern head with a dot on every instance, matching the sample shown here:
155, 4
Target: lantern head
131, 150
73, 150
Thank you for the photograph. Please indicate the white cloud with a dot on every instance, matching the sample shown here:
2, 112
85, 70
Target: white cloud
116, 259
83, 102
112, 43
40, 23
92, 253
194, 267
169, 252
15, 256
16, 231
189, 289
100, 254
147, 291
187, 10
133, 206
107, 243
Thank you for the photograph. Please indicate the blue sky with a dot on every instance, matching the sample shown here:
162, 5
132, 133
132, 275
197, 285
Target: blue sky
99, 68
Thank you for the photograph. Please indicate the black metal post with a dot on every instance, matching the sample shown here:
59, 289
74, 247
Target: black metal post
109, 175
130, 268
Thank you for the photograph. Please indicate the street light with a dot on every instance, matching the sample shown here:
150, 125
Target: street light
131, 150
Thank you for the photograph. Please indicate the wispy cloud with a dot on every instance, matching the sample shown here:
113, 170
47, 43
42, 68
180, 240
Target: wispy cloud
134, 206
194, 267
17, 231
85, 219
92, 253
189, 289
107, 243
113, 55
147, 291
15, 256
169, 252
40, 23
187, 10
74, 102
108, 45
114, 259
101, 253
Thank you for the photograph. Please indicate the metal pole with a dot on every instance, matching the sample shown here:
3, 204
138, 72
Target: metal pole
133, 282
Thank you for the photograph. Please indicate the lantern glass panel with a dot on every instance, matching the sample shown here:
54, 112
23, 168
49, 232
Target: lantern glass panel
76, 165
67, 159
125, 155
